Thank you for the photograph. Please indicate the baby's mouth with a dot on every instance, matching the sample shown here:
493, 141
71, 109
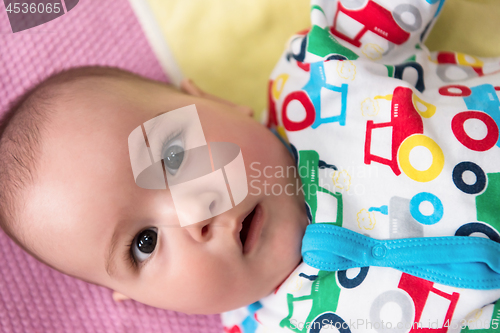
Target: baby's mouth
251, 228
247, 222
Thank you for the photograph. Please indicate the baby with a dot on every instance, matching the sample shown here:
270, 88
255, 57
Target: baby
69, 197
72, 198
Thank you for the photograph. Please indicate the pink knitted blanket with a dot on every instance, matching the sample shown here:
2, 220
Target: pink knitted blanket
34, 297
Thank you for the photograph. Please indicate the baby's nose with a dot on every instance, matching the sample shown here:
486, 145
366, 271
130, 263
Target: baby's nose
204, 208
200, 200
195, 207
201, 231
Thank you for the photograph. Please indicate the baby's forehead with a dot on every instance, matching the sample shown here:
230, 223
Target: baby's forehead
83, 88
99, 98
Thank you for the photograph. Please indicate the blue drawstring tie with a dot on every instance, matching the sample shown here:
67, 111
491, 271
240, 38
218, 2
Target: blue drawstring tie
458, 261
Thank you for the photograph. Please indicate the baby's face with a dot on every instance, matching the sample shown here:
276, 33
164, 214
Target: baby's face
85, 215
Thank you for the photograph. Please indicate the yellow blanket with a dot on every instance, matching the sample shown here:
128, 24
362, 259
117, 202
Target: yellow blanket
229, 47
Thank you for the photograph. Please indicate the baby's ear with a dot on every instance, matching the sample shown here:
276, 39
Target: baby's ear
119, 297
191, 88
246, 110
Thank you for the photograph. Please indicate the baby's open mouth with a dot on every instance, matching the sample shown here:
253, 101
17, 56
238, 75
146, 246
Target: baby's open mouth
247, 222
251, 228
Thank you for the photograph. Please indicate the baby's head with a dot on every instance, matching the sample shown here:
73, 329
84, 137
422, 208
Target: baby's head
69, 198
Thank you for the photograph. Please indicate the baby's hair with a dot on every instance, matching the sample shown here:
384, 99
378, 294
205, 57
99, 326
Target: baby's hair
21, 129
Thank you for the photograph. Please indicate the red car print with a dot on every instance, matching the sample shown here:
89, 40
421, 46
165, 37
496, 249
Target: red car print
378, 20
405, 121
419, 292
407, 133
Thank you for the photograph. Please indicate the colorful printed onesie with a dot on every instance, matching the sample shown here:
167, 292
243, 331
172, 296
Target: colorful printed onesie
399, 154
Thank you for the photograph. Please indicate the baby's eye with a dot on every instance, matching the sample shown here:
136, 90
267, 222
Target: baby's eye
173, 156
144, 244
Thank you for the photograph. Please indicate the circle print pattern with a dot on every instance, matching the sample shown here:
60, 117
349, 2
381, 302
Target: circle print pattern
437, 158
436, 215
486, 143
457, 175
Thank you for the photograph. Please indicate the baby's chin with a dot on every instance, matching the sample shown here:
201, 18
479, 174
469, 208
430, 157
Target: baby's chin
245, 294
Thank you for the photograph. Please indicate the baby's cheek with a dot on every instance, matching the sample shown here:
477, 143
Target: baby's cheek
285, 254
208, 287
